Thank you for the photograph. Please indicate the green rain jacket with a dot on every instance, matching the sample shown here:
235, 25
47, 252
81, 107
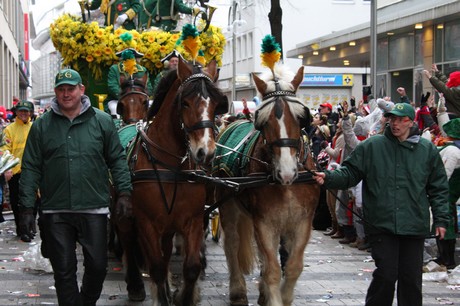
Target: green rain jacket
401, 182
70, 161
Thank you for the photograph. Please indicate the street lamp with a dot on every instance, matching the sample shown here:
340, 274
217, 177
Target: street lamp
232, 26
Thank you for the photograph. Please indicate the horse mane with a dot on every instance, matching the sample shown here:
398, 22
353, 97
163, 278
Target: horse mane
161, 91
214, 92
128, 83
284, 76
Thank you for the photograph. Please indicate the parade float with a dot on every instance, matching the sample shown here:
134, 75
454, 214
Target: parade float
91, 49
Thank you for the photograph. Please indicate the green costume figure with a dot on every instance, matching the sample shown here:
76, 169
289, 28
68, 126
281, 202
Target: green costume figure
170, 62
118, 12
116, 71
163, 14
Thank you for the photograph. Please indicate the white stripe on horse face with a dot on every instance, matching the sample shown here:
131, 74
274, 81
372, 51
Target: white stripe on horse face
286, 163
207, 132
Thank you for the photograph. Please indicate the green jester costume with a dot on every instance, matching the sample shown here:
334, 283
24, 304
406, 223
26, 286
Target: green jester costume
118, 12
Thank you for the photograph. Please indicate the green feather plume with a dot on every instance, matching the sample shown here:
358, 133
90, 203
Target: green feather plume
190, 40
270, 52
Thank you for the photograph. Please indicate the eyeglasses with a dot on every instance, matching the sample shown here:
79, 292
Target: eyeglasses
399, 119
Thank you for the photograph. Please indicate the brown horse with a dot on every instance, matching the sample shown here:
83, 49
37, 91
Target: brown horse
167, 197
279, 211
134, 99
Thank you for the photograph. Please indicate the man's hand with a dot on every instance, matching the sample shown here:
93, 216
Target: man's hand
427, 73
434, 68
124, 207
442, 104
121, 19
26, 220
440, 232
319, 177
401, 91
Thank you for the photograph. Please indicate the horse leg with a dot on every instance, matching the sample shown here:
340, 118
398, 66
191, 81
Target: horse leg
267, 242
158, 266
296, 245
238, 249
191, 269
131, 260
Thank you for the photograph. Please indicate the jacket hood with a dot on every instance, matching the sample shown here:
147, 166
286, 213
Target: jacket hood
85, 101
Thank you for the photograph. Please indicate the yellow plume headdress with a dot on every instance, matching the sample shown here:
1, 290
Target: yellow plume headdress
129, 55
270, 52
190, 39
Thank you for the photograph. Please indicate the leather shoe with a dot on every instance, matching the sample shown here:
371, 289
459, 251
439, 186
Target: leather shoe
338, 235
347, 240
25, 238
330, 232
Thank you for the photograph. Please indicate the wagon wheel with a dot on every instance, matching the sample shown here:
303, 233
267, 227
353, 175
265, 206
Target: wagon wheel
215, 227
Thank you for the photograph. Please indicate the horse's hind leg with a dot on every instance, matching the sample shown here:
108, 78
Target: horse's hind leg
189, 292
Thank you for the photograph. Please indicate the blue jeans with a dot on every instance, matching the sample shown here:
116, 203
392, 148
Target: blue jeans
61, 232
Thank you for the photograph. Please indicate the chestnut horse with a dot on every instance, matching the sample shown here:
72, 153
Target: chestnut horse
278, 212
134, 99
167, 199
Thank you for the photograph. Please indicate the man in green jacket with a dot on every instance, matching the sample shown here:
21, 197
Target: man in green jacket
403, 179
118, 12
69, 153
114, 79
163, 14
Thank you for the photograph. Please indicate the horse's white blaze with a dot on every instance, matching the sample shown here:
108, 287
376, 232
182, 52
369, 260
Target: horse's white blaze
286, 165
206, 141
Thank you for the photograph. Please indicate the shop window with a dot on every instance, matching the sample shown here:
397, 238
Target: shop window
452, 41
401, 51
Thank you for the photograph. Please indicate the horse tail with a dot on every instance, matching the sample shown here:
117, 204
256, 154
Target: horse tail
246, 253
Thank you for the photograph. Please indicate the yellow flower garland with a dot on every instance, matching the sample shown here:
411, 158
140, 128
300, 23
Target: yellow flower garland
88, 44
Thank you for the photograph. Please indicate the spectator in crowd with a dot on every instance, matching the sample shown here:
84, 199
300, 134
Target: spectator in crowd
449, 87
319, 131
170, 63
450, 155
69, 153
398, 195
15, 141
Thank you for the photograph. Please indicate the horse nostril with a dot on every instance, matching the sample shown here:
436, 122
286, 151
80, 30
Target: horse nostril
200, 155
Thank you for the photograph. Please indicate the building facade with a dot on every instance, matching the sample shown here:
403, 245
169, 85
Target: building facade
411, 35
14, 51
300, 19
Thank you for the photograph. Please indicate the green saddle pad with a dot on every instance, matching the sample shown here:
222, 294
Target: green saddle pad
126, 134
238, 139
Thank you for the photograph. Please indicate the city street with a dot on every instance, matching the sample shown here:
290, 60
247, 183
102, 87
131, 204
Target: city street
333, 275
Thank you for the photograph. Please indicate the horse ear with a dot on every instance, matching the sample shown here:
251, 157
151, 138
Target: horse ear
298, 78
183, 70
260, 85
212, 70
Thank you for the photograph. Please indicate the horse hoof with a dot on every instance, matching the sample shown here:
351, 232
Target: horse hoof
239, 301
136, 295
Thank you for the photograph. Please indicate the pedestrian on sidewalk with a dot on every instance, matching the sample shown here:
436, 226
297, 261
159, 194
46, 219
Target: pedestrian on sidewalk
403, 178
15, 141
68, 156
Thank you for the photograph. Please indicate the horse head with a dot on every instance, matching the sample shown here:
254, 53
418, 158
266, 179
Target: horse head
134, 100
280, 118
199, 102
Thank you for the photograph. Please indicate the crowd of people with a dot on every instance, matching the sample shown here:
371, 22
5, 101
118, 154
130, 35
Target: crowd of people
390, 175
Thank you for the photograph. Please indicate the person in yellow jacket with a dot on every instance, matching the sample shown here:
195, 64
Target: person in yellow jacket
15, 141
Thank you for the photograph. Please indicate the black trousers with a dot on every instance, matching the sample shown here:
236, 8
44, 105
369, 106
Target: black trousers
398, 259
13, 185
61, 232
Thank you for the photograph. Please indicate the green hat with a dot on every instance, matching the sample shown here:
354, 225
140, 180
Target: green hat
25, 105
402, 110
67, 76
452, 128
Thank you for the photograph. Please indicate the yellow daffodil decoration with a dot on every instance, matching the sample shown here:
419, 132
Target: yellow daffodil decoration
88, 44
